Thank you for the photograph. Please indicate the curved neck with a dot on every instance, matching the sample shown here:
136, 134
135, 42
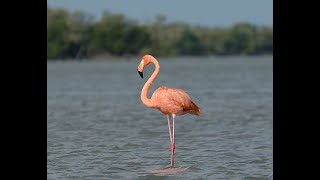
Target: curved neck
144, 93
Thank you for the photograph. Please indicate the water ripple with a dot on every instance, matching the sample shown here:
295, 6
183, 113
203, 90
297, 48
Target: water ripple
97, 127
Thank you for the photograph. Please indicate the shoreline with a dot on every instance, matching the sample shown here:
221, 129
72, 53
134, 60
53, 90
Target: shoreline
133, 57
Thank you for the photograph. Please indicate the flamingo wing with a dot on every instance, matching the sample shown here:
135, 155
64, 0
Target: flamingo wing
171, 100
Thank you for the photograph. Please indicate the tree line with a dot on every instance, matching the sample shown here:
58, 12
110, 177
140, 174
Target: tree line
79, 35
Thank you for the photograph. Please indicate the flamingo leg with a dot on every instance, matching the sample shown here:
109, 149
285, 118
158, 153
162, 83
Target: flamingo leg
173, 116
172, 144
169, 126
171, 141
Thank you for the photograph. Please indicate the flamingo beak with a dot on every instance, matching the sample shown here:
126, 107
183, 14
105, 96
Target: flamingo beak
140, 69
140, 73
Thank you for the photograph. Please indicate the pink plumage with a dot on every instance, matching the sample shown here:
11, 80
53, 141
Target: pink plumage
174, 101
169, 101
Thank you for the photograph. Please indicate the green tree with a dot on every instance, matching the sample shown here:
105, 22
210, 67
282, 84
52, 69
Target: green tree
241, 39
77, 37
136, 39
264, 41
117, 35
108, 35
189, 44
56, 29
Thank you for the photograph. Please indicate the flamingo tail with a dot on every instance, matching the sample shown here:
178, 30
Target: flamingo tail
194, 109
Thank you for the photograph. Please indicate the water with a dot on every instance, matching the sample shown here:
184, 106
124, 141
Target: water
99, 129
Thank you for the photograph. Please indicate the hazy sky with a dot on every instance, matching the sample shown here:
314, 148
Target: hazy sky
203, 12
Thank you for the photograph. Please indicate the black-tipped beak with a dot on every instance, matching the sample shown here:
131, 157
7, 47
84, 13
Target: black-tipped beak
141, 74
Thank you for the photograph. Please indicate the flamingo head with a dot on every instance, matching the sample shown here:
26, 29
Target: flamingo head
144, 62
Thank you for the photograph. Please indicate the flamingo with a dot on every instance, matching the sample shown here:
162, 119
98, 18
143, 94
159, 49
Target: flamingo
170, 101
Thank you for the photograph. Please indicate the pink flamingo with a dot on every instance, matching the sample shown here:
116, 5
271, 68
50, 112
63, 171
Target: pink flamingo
169, 101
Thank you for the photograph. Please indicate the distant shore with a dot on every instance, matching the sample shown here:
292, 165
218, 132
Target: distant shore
77, 36
135, 57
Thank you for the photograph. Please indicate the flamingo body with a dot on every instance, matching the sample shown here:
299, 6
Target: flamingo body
173, 101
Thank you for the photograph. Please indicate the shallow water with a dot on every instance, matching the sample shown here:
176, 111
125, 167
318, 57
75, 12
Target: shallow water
97, 127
